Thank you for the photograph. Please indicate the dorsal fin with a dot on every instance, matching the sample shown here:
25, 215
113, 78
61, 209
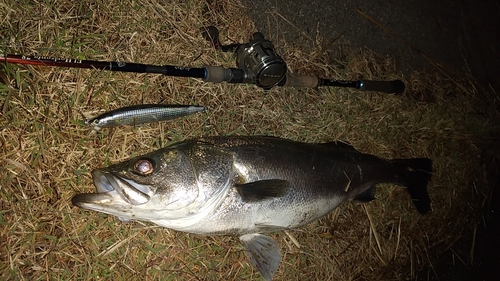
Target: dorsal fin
339, 144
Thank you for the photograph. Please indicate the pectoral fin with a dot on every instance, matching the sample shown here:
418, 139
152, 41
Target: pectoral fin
264, 253
260, 190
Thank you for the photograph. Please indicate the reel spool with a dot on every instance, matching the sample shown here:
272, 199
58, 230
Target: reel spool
263, 67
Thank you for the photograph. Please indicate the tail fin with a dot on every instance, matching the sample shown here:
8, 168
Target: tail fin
415, 174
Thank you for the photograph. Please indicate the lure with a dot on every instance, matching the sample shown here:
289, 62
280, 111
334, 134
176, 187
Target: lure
140, 114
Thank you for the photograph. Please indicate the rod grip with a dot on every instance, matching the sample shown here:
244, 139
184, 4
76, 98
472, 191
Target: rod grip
218, 74
294, 80
215, 74
395, 87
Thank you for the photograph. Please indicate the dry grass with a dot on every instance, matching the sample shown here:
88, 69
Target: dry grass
46, 152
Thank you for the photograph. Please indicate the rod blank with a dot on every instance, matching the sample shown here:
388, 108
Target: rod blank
169, 70
395, 87
214, 74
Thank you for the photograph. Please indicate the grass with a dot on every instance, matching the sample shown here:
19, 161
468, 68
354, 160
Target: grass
47, 153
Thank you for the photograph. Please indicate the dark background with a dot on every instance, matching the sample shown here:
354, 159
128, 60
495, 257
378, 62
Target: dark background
461, 37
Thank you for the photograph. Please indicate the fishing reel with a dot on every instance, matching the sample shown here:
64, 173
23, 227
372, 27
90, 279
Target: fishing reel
257, 59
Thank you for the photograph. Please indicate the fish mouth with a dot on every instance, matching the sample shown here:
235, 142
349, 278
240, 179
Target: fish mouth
113, 188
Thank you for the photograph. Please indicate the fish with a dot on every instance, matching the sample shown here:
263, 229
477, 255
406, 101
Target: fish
248, 186
141, 114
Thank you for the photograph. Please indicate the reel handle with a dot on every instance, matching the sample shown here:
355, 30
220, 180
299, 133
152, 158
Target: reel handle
211, 34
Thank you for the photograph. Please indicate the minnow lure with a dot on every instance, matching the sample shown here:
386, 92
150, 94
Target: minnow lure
140, 114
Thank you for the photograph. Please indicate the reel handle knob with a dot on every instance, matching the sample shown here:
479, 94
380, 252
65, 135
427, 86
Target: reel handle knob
211, 34
257, 36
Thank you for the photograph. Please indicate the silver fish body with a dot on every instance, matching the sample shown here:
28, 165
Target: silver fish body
141, 114
247, 186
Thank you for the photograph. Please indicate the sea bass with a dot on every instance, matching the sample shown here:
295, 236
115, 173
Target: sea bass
248, 186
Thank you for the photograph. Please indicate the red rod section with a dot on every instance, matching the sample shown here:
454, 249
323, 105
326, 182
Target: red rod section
48, 61
170, 70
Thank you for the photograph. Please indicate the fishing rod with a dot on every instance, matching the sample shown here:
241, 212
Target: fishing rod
257, 63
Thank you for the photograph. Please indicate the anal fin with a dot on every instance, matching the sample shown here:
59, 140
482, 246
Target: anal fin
263, 252
366, 196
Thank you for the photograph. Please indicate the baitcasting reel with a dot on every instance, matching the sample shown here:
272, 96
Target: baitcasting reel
258, 60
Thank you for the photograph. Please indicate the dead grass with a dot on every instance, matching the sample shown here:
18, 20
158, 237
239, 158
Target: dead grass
46, 152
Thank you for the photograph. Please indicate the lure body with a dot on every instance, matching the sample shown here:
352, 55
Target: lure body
141, 114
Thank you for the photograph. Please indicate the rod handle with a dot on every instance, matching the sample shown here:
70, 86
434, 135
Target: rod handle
395, 87
218, 74
295, 80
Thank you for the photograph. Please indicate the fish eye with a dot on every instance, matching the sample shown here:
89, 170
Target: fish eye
143, 167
